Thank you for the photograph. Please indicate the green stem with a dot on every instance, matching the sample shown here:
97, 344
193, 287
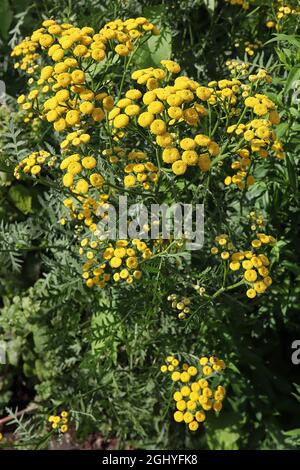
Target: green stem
225, 289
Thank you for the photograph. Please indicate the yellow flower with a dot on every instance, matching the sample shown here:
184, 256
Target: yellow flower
260, 287
73, 117
115, 262
137, 274
78, 77
190, 157
185, 377
96, 180
251, 293
203, 361
145, 119
250, 275
158, 127
68, 180
122, 50
98, 54
188, 417
51, 116
234, 265
181, 405
35, 170
260, 109
179, 167
185, 391
175, 376
202, 140
85, 138
82, 186
60, 125
46, 40
217, 406
247, 264
133, 94
256, 243
250, 102
178, 416
171, 66
131, 262
207, 370
192, 370
187, 144
74, 168
89, 162
123, 275
108, 103
164, 140
170, 155
203, 93
132, 110
46, 72
64, 79
213, 148
86, 107
193, 426
191, 405
200, 416
204, 162
120, 121
129, 181
80, 50
155, 107
98, 114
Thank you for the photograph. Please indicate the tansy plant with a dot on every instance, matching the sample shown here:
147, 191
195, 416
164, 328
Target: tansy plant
158, 136
197, 389
139, 131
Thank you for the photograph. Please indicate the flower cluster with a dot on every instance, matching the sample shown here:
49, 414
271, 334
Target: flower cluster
117, 261
80, 173
283, 12
256, 138
238, 68
242, 3
254, 262
143, 173
62, 92
197, 391
86, 210
34, 164
160, 128
60, 422
256, 220
182, 306
251, 47
199, 289
163, 111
